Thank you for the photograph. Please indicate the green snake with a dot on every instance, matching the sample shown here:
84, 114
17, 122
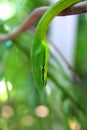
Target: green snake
39, 50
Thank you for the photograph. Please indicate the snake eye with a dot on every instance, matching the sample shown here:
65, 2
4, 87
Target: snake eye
43, 70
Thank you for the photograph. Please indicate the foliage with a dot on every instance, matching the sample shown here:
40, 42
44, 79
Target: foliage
63, 102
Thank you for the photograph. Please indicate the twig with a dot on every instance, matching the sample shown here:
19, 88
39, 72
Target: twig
36, 14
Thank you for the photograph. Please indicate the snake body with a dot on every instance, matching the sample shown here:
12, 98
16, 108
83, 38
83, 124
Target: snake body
39, 51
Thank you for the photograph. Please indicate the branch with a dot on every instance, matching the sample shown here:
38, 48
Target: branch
36, 14
75, 9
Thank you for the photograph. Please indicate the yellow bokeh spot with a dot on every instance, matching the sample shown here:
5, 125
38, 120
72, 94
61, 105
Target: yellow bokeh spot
27, 121
74, 125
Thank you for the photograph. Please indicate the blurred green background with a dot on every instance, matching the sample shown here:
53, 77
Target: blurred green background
62, 105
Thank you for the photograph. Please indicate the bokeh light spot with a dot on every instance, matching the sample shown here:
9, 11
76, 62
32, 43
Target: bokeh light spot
6, 10
7, 111
27, 120
41, 111
3, 86
74, 125
3, 90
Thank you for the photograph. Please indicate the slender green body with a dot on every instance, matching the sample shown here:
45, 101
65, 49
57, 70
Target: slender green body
39, 53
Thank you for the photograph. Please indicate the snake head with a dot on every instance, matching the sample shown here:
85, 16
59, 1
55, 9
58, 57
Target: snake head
39, 63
